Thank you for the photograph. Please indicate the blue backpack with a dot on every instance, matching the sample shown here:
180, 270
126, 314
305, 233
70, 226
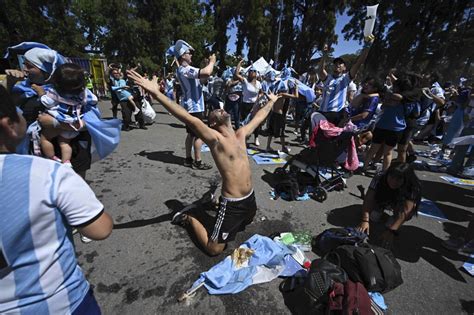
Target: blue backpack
334, 237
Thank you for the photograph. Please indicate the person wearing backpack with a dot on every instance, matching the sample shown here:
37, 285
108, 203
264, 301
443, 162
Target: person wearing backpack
398, 189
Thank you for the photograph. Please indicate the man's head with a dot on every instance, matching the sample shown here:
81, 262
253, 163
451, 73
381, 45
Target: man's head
12, 123
183, 51
371, 85
219, 117
116, 74
252, 74
46, 60
339, 66
35, 75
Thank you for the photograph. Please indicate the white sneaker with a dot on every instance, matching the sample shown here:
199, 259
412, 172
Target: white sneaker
257, 143
136, 111
67, 163
85, 240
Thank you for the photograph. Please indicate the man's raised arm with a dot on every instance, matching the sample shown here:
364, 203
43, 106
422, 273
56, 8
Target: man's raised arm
202, 131
260, 116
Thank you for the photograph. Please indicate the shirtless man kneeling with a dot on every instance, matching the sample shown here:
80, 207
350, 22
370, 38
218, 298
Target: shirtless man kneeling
237, 203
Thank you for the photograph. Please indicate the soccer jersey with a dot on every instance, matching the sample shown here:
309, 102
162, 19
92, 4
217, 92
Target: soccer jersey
335, 93
193, 99
39, 273
369, 106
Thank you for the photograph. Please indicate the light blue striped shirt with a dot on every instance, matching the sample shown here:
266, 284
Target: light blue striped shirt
335, 93
193, 99
38, 197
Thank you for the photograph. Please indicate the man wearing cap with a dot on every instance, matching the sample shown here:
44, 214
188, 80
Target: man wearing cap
337, 83
192, 97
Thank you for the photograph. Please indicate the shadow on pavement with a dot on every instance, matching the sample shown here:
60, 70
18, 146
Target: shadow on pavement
145, 222
167, 157
174, 125
412, 244
439, 191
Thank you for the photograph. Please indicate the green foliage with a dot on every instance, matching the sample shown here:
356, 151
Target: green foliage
419, 35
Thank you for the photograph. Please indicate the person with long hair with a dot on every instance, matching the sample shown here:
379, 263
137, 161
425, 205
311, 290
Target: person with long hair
398, 189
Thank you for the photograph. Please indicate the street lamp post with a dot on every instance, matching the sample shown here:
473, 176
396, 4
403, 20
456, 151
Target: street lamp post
279, 30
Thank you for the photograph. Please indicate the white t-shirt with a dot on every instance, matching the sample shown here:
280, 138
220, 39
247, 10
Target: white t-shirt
38, 197
250, 91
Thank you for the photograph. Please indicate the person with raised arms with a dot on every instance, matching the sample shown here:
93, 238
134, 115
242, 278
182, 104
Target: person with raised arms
237, 206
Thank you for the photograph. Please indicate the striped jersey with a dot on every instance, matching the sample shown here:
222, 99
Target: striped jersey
39, 273
335, 93
193, 99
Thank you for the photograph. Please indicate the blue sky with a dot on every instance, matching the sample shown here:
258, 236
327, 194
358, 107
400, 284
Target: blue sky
342, 47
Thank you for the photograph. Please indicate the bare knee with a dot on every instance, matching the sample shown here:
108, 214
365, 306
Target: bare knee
214, 249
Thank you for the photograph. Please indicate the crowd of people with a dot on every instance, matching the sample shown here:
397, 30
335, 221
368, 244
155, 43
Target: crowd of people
222, 109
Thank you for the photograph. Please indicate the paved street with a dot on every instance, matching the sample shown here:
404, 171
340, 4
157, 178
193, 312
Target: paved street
147, 263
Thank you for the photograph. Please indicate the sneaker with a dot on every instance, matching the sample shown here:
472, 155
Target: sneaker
257, 143
143, 127
67, 163
200, 165
180, 217
286, 150
188, 162
74, 231
85, 239
136, 111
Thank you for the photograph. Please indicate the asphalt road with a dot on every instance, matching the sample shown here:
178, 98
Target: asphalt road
147, 263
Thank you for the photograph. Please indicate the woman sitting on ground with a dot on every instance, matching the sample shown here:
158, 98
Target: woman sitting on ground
398, 189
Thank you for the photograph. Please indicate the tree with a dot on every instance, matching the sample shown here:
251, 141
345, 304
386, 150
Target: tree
417, 35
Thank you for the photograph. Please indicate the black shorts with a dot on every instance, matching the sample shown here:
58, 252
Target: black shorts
276, 126
385, 136
233, 216
406, 135
199, 115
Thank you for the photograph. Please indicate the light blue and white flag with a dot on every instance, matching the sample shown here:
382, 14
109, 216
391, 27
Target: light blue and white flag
267, 263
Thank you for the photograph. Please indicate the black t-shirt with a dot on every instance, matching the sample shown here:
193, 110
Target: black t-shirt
387, 197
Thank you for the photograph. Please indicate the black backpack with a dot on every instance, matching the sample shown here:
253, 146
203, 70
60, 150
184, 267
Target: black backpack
289, 187
334, 237
376, 267
304, 295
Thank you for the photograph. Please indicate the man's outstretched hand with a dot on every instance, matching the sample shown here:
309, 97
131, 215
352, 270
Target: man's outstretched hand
273, 97
149, 85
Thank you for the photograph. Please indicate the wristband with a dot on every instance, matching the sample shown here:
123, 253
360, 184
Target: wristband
365, 221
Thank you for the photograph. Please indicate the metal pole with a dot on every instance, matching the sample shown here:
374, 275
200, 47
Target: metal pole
279, 29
